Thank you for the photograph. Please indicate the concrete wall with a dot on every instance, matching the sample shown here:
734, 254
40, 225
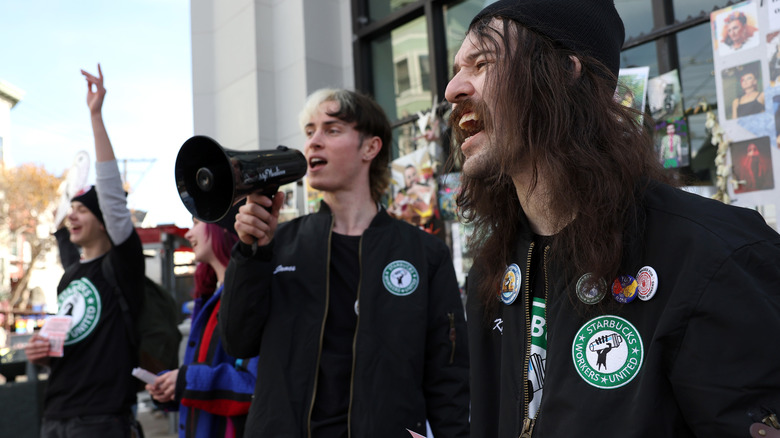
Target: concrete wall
255, 61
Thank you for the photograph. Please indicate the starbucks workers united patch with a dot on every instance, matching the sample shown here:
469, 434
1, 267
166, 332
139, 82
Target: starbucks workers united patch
607, 352
400, 278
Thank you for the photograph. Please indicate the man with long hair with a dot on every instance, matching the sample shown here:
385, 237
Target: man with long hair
356, 316
574, 218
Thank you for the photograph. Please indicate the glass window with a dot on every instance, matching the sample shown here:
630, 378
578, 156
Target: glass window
402, 80
425, 72
378, 9
637, 16
685, 8
457, 18
697, 81
640, 56
697, 77
401, 84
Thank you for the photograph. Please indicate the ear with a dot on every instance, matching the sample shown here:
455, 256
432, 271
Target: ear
371, 147
577, 66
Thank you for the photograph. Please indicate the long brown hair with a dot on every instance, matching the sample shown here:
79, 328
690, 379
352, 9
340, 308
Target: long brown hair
592, 153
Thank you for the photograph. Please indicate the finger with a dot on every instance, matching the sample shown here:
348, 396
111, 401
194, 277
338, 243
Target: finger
277, 204
100, 72
259, 199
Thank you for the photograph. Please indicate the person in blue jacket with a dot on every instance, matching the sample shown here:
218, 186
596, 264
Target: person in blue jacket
212, 389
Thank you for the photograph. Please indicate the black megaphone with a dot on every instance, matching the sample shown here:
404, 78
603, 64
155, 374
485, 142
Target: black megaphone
210, 178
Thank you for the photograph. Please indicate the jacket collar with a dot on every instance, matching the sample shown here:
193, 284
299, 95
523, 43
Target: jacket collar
380, 219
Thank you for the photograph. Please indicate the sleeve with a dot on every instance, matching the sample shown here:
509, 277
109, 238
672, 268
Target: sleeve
246, 300
736, 329
484, 360
69, 253
113, 202
225, 389
446, 383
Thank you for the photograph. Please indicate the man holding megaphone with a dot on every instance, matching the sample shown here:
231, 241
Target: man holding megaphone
356, 316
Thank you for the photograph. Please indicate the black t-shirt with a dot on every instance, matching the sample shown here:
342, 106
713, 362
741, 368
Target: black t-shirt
94, 375
331, 405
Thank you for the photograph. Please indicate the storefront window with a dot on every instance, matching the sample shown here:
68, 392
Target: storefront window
698, 85
379, 9
637, 16
401, 70
457, 18
641, 56
685, 8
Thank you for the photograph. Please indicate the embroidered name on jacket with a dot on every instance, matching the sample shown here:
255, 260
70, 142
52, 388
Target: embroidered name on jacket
607, 352
281, 268
81, 301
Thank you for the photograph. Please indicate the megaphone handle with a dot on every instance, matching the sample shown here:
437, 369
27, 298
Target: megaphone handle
270, 191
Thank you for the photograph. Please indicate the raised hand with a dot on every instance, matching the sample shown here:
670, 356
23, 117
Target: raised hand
95, 96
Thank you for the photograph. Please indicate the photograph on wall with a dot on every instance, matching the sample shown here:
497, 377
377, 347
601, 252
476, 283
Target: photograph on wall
752, 165
776, 112
313, 198
289, 209
773, 58
672, 144
632, 87
743, 90
664, 96
449, 185
414, 191
736, 29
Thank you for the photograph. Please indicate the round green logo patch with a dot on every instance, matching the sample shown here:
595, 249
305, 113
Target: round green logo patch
81, 301
607, 352
400, 278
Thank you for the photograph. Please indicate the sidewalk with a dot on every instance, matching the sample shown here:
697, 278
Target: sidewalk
156, 424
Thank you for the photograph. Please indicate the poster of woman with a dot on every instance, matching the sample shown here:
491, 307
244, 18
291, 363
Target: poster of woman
736, 29
752, 162
743, 90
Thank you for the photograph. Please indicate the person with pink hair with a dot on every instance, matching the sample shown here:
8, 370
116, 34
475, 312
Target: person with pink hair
212, 390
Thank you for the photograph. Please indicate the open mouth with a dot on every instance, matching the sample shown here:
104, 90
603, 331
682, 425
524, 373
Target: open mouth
315, 163
470, 125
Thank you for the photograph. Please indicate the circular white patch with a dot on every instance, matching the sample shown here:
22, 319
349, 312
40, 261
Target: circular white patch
80, 300
400, 278
607, 352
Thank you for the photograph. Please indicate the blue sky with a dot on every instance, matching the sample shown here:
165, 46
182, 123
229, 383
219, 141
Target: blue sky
144, 49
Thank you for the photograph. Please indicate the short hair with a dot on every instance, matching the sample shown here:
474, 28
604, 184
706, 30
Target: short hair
370, 121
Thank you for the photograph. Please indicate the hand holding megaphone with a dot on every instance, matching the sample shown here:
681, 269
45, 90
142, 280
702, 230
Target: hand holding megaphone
256, 221
211, 179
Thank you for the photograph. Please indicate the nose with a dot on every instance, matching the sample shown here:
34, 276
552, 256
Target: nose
459, 88
315, 141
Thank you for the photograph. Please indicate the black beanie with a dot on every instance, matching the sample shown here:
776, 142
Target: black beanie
590, 27
90, 200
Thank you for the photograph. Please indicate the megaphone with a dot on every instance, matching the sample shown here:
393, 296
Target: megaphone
210, 178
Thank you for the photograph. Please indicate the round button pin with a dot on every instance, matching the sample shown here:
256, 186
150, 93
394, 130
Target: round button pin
624, 289
647, 281
591, 290
510, 287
